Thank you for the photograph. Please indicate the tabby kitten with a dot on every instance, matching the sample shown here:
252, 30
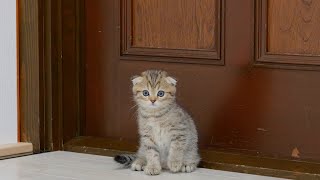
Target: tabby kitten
168, 136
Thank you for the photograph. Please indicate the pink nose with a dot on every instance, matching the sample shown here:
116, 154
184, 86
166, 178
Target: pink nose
153, 101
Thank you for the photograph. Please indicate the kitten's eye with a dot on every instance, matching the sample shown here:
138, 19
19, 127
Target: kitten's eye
160, 93
145, 93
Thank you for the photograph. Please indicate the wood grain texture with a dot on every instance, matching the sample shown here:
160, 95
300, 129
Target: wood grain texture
60, 73
53, 76
293, 27
257, 111
46, 141
193, 34
45, 41
70, 69
29, 56
179, 24
291, 52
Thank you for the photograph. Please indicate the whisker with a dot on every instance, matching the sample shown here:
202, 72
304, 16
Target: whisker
134, 115
133, 107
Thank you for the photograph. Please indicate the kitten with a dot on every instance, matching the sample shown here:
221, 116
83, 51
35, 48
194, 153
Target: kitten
168, 136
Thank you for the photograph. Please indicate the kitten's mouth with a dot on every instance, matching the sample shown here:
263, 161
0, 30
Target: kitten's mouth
153, 105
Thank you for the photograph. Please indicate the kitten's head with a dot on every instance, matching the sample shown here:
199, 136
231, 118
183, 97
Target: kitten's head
154, 89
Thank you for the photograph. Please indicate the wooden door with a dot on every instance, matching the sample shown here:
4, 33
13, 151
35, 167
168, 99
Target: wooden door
248, 71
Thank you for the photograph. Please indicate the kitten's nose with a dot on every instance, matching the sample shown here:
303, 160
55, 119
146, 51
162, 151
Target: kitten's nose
153, 100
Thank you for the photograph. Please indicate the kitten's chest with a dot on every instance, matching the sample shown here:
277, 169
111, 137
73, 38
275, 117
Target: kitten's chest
160, 133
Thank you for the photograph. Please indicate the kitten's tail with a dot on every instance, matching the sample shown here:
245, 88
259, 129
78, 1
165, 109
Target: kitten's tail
125, 159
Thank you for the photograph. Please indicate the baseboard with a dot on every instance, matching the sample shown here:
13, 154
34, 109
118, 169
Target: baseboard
213, 159
15, 150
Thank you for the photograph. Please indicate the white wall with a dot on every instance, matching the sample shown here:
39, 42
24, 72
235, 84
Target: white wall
8, 72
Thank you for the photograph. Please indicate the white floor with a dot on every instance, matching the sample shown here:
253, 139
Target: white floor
74, 166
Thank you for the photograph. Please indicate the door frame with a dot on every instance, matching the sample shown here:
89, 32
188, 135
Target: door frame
29, 54
51, 84
44, 79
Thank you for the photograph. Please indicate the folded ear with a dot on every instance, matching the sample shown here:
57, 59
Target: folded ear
171, 80
136, 79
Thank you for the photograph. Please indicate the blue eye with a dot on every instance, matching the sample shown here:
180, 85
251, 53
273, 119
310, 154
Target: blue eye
145, 93
160, 93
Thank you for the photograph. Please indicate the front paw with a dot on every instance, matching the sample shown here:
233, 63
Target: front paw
175, 166
152, 170
188, 168
137, 165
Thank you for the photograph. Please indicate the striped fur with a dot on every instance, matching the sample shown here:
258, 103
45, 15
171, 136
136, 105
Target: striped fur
168, 136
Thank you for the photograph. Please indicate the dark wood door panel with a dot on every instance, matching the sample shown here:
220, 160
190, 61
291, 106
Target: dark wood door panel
237, 106
287, 33
254, 119
235, 112
173, 29
180, 24
293, 27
